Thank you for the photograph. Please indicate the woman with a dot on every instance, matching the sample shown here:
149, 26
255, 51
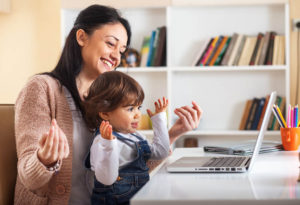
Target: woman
51, 136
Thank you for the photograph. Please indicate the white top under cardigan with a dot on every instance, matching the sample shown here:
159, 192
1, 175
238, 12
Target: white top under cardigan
82, 178
108, 156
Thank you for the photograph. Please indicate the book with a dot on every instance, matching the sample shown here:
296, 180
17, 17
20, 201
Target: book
223, 51
160, 54
239, 51
281, 52
208, 53
282, 108
251, 114
145, 51
155, 44
218, 51
261, 43
203, 44
275, 50
272, 119
204, 52
245, 114
214, 50
151, 43
229, 50
264, 49
263, 112
257, 114
247, 51
245, 148
269, 57
235, 50
255, 51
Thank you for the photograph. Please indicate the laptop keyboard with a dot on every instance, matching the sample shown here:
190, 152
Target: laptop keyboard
225, 162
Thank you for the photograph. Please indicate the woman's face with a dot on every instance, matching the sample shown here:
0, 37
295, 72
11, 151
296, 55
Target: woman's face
101, 51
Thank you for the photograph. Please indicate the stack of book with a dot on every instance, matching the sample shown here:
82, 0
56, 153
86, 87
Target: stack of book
254, 111
153, 51
245, 148
242, 50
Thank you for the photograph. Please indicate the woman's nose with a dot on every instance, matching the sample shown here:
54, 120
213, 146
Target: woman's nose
116, 56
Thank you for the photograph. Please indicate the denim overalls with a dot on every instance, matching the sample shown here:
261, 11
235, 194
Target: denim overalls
131, 178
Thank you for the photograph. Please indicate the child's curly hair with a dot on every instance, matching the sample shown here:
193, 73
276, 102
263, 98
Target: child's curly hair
108, 92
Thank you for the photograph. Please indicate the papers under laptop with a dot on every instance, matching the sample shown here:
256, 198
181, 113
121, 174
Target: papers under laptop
223, 164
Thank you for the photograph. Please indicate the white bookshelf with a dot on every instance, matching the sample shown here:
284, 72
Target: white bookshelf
221, 91
5, 6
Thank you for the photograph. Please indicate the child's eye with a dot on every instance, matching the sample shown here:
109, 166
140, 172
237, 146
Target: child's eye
140, 107
130, 109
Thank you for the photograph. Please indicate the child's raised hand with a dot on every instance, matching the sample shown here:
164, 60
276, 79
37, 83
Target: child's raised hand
106, 130
160, 106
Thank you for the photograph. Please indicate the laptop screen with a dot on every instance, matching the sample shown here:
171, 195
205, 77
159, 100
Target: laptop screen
262, 129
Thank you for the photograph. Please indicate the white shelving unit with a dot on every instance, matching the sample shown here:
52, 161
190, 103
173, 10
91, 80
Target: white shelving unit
221, 91
5, 6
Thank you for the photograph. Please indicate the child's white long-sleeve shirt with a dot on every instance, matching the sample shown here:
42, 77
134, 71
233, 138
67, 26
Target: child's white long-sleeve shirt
108, 156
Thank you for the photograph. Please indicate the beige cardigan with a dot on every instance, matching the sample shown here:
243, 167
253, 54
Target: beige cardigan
40, 101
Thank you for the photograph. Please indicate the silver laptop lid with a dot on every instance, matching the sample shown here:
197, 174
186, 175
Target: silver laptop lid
262, 129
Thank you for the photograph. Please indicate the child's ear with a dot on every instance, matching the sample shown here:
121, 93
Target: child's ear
104, 116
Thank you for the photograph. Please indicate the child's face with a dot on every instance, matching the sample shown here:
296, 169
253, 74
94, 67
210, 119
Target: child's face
125, 119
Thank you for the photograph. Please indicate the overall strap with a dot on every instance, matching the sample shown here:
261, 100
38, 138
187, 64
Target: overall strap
120, 137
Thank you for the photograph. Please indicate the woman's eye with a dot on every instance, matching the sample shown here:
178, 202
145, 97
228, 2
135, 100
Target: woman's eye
110, 43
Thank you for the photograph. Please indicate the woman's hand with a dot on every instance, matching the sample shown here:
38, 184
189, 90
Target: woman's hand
160, 106
53, 146
106, 130
189, 118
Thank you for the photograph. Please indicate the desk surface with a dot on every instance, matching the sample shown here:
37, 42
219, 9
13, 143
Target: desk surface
273, 180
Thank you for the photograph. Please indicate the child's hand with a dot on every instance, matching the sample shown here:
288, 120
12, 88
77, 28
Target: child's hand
106, 130
159, 107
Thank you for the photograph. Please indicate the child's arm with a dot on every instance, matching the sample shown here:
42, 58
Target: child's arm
161, 106
105, 155
161, 143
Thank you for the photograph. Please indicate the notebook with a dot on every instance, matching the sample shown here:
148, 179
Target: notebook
225, 164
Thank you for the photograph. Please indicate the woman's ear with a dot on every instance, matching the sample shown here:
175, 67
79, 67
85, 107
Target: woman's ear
81, 37
104, 116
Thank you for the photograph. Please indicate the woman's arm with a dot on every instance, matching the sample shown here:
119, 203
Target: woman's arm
189, 118
32, 120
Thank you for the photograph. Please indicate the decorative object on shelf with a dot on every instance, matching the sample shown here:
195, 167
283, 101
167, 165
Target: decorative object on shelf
144, 123
131, 58
190, 142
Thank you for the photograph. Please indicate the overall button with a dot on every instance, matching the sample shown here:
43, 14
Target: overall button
60, 189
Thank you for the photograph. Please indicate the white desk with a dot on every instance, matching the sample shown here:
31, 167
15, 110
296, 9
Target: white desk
273, 180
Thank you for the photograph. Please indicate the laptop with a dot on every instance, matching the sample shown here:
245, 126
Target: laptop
224, 164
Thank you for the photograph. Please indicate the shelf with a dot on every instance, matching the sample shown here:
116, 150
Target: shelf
221, 91
143, 69
226, 3
220, 132
230, 68
79, 4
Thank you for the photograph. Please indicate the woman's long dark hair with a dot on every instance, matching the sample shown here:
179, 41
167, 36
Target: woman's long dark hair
70, 62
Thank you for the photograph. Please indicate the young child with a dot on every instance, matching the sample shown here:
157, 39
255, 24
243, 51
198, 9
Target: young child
119, 153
